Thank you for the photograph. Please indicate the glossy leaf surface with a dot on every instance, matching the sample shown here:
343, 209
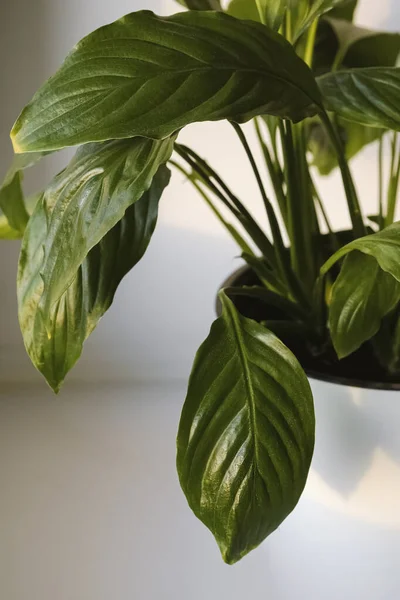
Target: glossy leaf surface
362, 295
87, 199
246, 434
366, 96
384, 246
54, 338
150, 76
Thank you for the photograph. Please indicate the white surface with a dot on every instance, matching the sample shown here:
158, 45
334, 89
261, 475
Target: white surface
91, 508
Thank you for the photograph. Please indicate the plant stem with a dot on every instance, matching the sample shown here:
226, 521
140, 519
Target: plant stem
380, 177
289, 276
351, 194
233, 203
288, 26
273, 173
261, 12
320, 204
393, 182
230, 228
309, 51
276, 233
299, 234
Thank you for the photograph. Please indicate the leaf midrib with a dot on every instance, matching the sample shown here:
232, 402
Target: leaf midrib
247, 376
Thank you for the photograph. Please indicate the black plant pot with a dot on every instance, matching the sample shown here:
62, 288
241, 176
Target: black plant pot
361, 369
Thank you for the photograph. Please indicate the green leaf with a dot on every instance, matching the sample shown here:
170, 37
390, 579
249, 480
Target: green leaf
354, 138
366, 96
272, 12
304, 13
150, 76
14, 210
201, 4
54, 338
6, 231
87, 199
244, 9
384, 246
246, 434
12, 203
341, 43
345, 10
361, 296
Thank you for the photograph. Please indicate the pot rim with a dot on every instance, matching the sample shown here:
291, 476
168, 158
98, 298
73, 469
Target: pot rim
311, 373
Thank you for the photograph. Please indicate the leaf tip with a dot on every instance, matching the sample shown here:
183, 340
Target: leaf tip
18, 149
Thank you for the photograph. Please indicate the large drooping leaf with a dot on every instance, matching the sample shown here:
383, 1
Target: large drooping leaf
361, 296
201, 4
87, 199
367, 96
344, 44
54, 338
304, 13
384, 246
354, 138
246, 434
147, 75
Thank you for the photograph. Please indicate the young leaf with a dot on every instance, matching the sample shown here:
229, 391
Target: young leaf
14, 210
345, 10
361, 296
150, 76
54, 338
384, 246
12, 203
87, 199
367, 96
272, 12
201, 4
246, 435
304, 12
6, 231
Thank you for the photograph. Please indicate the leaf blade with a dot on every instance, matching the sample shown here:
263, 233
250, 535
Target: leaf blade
366, 96
150, 76
246, 435
54, 340
362, 296
88, 198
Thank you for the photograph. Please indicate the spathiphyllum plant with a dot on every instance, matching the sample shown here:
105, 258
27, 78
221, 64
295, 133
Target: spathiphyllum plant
318, 89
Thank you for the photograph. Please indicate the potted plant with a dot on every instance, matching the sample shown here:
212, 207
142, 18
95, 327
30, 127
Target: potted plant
310, 300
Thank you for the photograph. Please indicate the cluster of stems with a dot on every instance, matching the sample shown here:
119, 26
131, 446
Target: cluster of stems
289, 270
